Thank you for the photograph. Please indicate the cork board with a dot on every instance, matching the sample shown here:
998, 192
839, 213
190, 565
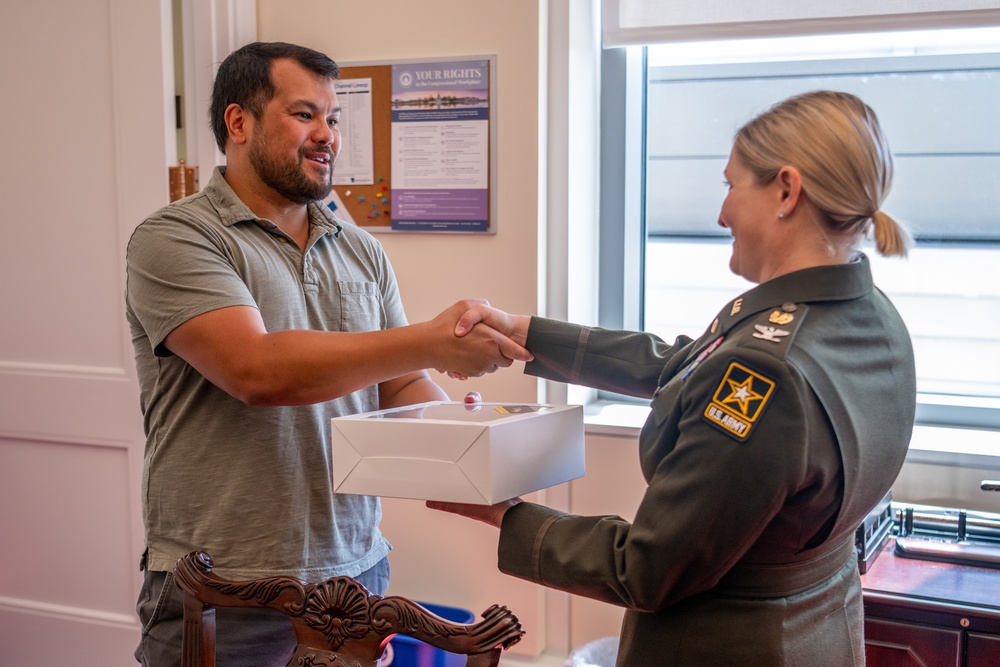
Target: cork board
449, 199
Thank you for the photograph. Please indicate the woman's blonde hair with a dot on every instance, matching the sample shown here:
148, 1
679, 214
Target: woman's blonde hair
835, 141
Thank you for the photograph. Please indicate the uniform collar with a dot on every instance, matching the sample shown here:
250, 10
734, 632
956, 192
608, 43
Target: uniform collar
837, 282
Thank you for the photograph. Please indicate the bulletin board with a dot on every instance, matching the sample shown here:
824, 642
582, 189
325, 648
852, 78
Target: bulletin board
427, 161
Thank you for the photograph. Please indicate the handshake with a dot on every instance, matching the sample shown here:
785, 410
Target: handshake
472, 338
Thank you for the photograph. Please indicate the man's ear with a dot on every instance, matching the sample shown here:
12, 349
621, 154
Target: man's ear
237, 123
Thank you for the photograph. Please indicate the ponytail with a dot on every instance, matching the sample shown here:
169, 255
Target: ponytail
891, 238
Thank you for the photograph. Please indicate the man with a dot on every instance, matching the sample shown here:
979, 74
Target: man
256, 317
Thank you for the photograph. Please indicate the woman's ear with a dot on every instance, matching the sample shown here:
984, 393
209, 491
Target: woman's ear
789, 182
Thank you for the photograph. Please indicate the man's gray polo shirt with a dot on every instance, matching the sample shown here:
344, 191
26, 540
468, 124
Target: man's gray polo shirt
250, 485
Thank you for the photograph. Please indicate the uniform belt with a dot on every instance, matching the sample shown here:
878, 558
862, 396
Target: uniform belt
782, 579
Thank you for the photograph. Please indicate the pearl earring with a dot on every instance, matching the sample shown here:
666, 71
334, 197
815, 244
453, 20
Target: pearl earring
781, 214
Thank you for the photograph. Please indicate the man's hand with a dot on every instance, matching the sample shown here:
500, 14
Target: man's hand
480, 349
513, 330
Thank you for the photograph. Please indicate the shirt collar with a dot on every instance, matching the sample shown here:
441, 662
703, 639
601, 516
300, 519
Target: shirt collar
232, 210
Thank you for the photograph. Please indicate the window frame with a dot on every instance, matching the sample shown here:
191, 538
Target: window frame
621, 296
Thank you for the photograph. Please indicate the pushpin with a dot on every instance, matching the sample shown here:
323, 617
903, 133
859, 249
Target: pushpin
473, 401
361, 198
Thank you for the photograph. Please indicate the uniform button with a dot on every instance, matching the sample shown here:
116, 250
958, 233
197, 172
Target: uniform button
282, 239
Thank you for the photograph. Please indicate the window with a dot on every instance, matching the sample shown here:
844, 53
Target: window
937, 95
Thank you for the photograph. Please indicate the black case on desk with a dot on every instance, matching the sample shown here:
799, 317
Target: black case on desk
873, 532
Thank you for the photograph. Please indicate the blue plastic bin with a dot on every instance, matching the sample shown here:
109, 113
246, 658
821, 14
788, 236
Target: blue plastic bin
406, 651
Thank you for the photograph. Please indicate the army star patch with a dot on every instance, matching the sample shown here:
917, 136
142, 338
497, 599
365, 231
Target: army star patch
739, 400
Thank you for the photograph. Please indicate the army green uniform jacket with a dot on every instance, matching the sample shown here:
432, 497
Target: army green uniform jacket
769, 440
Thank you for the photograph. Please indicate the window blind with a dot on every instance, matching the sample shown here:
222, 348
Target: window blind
635, 22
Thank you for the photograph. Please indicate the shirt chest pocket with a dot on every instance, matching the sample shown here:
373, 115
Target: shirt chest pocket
360, 306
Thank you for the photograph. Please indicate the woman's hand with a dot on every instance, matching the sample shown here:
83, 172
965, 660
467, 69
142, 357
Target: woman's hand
514, 327
491, 514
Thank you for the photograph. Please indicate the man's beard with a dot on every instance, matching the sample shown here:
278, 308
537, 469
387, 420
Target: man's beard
288, 178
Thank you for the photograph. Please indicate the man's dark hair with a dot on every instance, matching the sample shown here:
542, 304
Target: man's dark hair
244, 78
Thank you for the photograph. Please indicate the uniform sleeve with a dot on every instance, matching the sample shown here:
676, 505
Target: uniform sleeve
176, 271
710, 496
626, 362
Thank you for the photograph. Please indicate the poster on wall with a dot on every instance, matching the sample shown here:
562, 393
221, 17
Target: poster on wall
440, 146
419, 138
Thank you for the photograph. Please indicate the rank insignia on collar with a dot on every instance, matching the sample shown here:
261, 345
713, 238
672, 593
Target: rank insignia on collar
739, 400
769, 333
779, 317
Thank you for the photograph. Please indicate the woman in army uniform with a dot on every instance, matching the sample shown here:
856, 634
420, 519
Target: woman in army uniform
770, 436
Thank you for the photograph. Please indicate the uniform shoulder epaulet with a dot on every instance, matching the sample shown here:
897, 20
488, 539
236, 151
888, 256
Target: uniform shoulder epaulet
773, 330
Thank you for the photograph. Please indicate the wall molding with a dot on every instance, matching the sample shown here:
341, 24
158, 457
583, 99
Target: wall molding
69, 439
62, 370
67, 613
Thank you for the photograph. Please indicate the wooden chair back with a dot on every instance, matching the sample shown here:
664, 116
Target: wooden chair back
337, 622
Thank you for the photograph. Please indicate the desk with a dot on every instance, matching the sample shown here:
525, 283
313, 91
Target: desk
925, 613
